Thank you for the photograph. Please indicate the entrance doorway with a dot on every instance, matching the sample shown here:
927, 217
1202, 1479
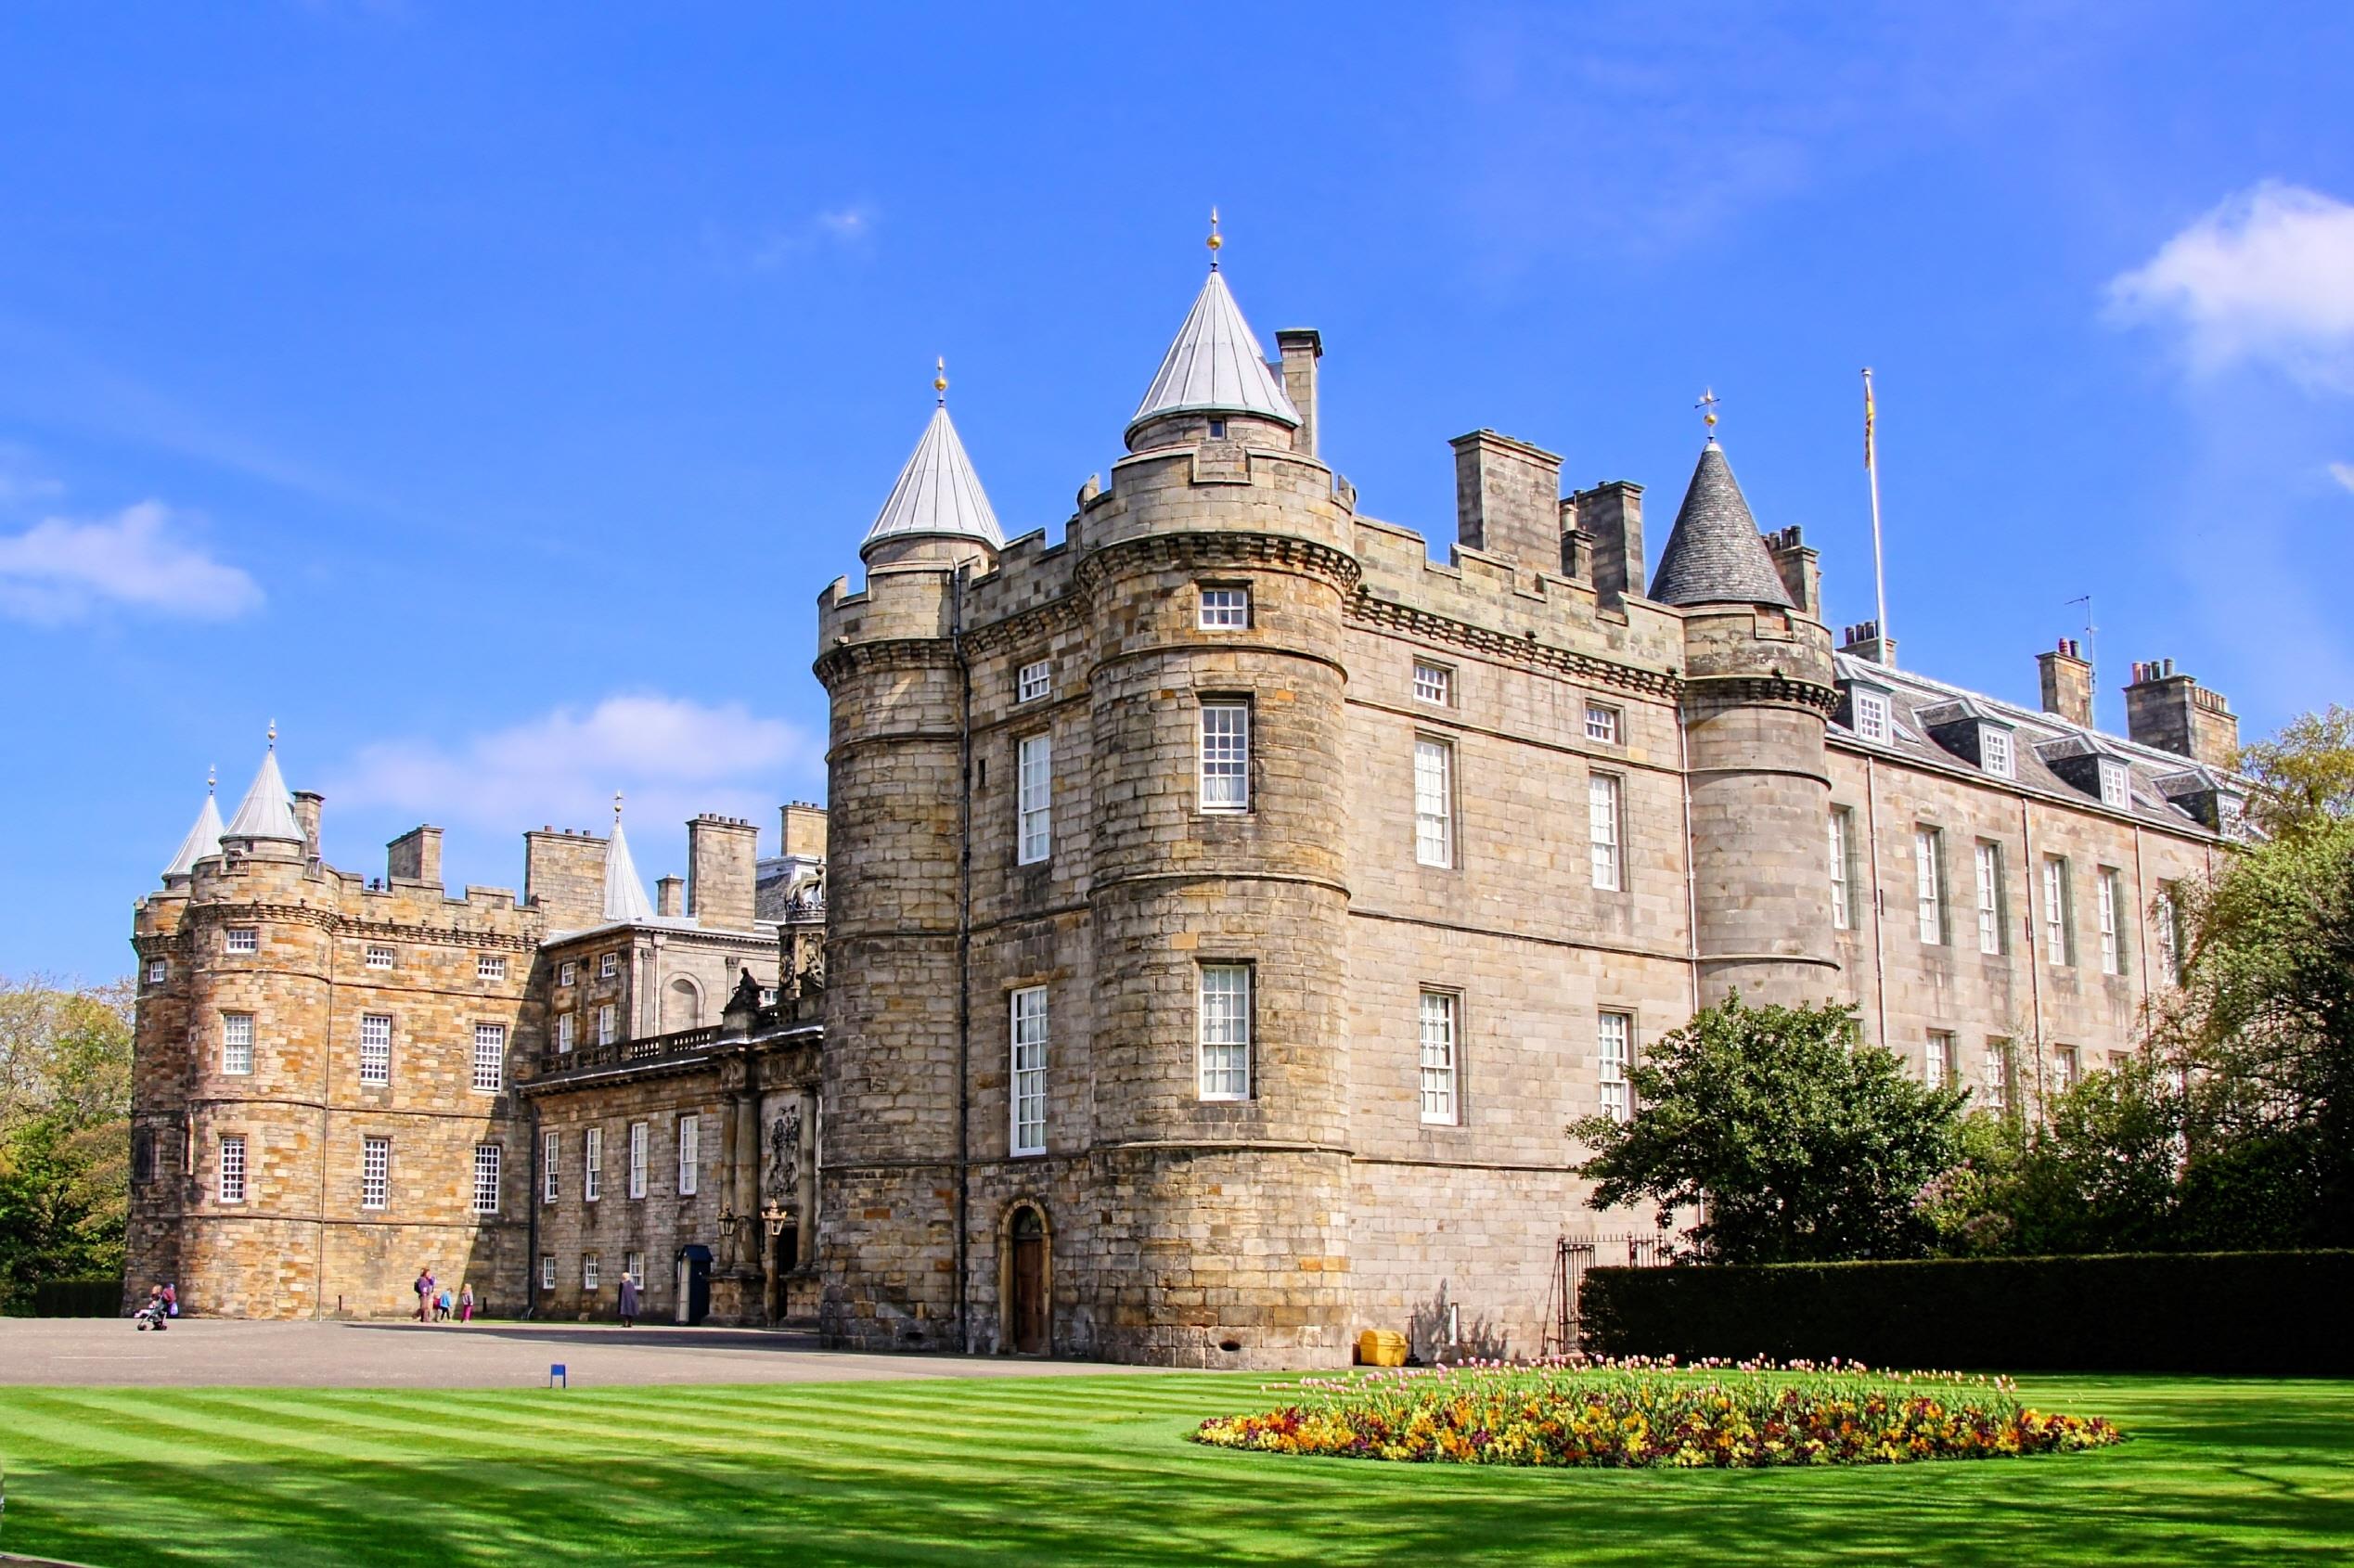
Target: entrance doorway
694, 1284
1027, 1310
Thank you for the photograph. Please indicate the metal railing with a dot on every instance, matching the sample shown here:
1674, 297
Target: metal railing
1573, 1255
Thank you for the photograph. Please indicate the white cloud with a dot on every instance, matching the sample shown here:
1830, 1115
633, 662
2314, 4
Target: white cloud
62, 570
2343, 473
2266, 277
22, 480
672, 756
838, 228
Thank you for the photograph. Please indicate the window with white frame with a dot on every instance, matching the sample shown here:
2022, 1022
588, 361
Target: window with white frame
1029, 1035
1438, 1035
1936, 1061
567, 972
237, 1042
690, 1153
1993, 932
1871, 710
1997, 1074
1225, 610
2170, 920
232, 1187
1994, 751
487, 1178
379, 955
1613, 1047
1034, 681
2115, 790
376, 1172
490, 966
565, 1023
588, 1271
637, 1159
592, 1164
608, 1024
633, 1265
608, 965
1433, 682
376, 1048
1434, 802
1602, 831
244, 939
2059, 940
2110, 891
1226, 756
490, 1056
1225, 1007
1034, 790
1602, 723
551, 1166
157, 970
547, 1271
1929, 883
1842, 849
2063, 1068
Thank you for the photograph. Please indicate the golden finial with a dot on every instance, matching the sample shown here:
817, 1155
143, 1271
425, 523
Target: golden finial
617, 805
940, 378
274, 735
1708, 406
1214, 241
211, 778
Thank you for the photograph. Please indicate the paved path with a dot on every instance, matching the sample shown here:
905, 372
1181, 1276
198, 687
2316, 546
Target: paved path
202, 1351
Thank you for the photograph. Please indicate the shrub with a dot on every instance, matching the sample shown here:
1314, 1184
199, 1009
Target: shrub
2276, 1314
77, 1298
1568, 1412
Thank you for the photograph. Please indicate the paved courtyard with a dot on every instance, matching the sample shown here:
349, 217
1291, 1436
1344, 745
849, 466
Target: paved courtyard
198, 1351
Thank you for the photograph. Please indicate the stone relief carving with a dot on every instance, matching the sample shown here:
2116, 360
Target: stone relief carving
782, 1181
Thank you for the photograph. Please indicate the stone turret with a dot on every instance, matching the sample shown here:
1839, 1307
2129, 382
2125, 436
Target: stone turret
1758, 687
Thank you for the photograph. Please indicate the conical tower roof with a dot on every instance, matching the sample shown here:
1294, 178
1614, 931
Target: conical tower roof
624, 893
1216, 367
938, 494
1714, 554
267, 811
203, 840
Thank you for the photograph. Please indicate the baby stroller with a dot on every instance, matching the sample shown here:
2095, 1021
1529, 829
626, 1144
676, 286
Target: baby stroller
152, 1315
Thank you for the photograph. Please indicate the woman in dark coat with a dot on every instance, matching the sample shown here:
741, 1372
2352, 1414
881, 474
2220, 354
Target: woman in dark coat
628, 1301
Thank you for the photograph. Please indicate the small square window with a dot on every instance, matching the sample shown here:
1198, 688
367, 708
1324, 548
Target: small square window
379, 955
244, 939
1036, 679
1872, 715
490, 966
157, 972
1226, 609
1602, 723
1433, 682
608, 965
1217, 430
567, 972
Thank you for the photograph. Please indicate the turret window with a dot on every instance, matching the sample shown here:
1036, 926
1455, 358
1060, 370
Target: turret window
1034, 681
237, 1042
1035, 797
1226, 756
157, 972
244, 939
376, 1172
379, 955
1601, 725
1225, 1050
1225, 610
490, 1056
376, 1049
1433, 683
490, 966
1603, 831
1434, 802
232, 1187
1029, 1108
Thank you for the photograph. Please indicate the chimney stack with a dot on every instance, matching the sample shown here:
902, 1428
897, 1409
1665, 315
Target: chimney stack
804, 829
1301, 347
1612, 515
1800, 567
1507, 498
308, 804
2066, 680
415, 857
1863, 640
2175, 713
723, 869
670, 895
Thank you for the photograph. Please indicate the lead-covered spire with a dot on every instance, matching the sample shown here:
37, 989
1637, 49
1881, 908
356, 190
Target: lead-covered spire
938, 494
203, 840
1715, 553
625, 893
267, 811
1216, 365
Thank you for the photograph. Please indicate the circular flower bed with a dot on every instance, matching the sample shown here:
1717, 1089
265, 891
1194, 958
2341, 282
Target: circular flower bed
1641, 1414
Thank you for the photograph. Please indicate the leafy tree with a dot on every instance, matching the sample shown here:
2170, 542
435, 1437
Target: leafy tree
2305, 775
1799, 1143
65, 1105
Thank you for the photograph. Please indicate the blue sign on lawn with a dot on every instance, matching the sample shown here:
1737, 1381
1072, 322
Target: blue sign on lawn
556, 1376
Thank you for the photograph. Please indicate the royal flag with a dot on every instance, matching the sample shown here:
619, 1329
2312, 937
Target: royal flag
1868, 417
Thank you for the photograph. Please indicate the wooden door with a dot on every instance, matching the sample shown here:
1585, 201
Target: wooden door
1029, 1283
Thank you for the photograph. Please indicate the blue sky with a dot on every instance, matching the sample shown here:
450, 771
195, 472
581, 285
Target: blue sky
485, 393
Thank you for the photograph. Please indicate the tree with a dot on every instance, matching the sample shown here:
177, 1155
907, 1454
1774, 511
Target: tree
1798, 1142
65, 1106
2303, 775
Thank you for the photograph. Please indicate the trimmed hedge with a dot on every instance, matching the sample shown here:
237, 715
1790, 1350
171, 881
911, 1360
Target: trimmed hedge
2274, 1314
78, 1298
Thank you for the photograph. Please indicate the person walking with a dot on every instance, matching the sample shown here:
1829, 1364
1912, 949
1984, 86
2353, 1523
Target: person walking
170, 1299
424, 1288
466, 1303
441, 1307
628, 1302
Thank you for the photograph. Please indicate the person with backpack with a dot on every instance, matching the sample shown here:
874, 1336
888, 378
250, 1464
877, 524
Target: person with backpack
424, 1288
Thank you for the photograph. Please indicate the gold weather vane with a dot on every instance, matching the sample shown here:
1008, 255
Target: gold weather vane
617, 805
274, 735
940, 378
1214, 241
1708, 406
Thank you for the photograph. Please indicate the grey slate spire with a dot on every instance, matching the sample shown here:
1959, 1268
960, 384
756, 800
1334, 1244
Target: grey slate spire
203, 840
1715, 555
267, 811
938, 494
1216, 367
625, 893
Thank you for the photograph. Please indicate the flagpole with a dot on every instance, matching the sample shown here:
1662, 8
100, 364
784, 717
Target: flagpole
1872, 471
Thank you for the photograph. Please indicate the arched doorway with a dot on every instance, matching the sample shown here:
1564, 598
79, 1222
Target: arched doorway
1028, 1298
682, 1006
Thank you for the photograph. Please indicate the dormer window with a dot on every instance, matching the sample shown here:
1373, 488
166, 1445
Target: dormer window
1872, 715
1994, 752
2114, 788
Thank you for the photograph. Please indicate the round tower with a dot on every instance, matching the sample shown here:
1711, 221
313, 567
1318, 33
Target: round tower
1758, 686
890, 662
1216, 573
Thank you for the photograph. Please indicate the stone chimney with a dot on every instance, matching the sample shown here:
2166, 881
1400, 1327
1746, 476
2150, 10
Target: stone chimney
1612, 513
415, 857
2176, 713
1863, 640
1301, 348
564, 874
723, 859
1800, 567
1508, 499
670, 895
308, 804
2066, 680
805, 829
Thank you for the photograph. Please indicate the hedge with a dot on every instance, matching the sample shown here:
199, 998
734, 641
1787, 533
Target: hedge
78, 1298
2278, 1314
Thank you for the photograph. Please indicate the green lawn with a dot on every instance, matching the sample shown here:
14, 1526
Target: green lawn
1094, 1471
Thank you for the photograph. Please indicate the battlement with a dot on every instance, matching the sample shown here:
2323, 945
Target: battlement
905, 601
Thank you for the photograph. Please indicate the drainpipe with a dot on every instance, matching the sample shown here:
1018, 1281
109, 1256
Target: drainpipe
2035, 951
531, 1220
964, 950
1692, 871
